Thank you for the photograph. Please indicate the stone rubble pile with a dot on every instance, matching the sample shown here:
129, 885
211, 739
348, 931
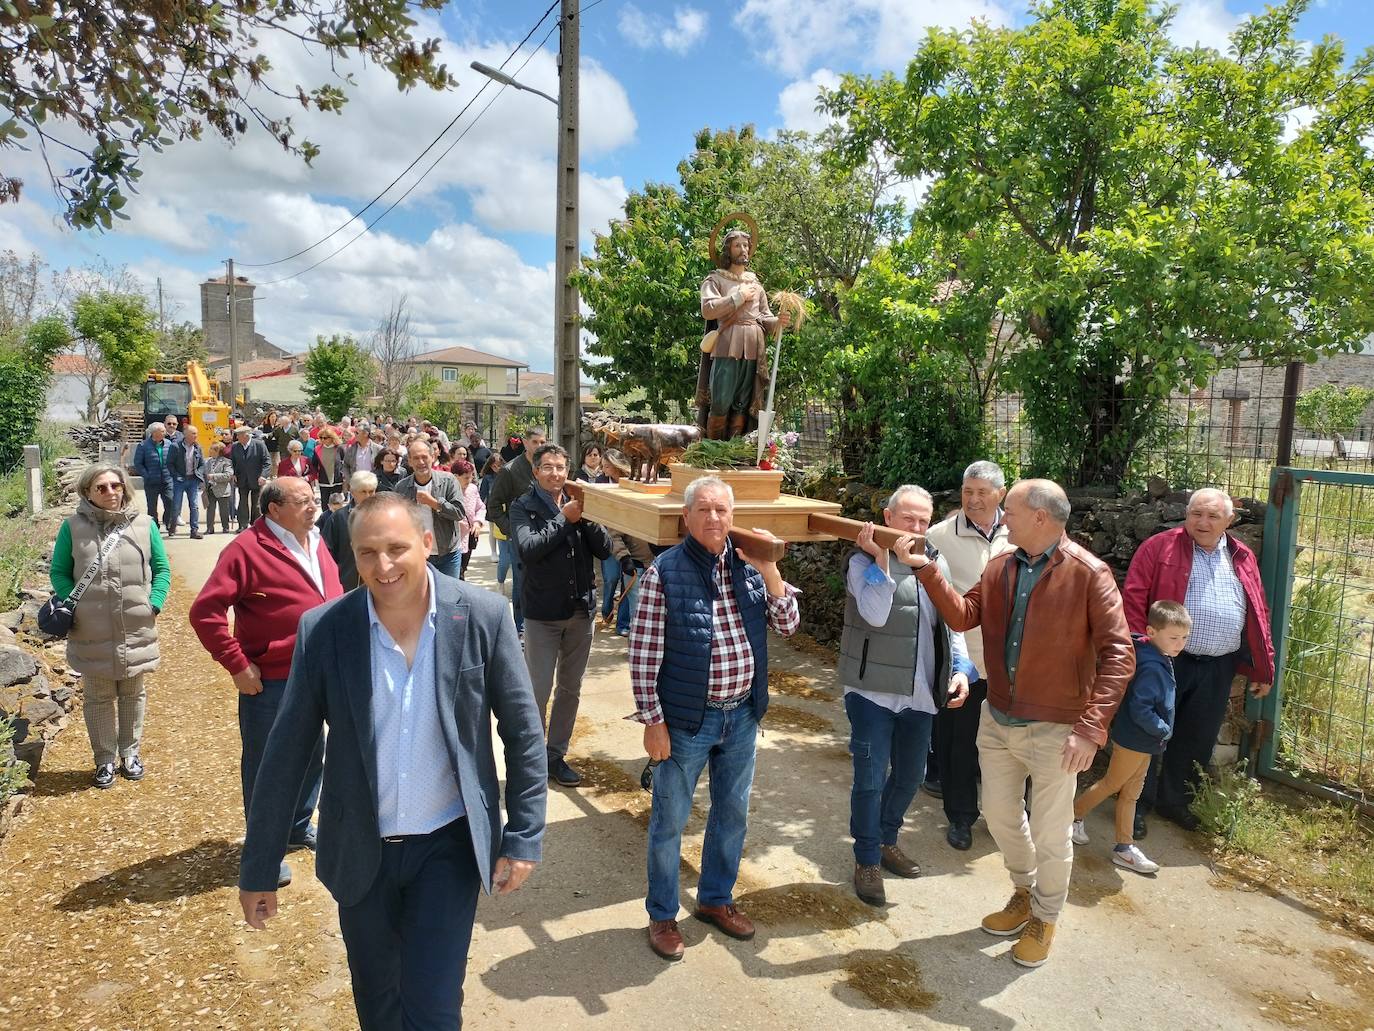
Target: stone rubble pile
88, 438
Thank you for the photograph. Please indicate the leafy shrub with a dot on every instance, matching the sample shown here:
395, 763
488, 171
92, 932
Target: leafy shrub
1221, 802
13, 772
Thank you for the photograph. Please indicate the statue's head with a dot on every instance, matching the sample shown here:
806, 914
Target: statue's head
736, 248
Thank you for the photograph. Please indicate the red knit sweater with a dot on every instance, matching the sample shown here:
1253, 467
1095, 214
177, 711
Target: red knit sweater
269, 592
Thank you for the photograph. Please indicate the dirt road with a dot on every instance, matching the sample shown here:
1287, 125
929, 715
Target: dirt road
121, 910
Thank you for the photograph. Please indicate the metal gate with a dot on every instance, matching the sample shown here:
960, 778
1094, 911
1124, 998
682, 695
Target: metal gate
1316, 728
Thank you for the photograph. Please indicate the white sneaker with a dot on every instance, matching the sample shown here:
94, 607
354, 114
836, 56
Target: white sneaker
1079, 832
1133, 859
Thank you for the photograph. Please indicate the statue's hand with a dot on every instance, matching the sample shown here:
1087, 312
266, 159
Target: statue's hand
784, 319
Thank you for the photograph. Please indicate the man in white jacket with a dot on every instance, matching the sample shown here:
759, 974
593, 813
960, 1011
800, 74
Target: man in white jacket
972, 535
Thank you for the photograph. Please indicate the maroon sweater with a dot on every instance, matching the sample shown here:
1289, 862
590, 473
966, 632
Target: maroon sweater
269, 592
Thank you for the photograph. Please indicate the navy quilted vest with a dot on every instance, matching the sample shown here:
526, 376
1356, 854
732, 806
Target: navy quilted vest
689, 590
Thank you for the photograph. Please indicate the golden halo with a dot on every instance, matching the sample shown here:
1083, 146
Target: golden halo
744, 217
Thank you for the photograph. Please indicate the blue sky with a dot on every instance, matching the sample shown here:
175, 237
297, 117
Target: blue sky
472, 246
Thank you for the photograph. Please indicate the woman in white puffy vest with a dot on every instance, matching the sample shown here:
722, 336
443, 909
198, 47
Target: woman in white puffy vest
113, 638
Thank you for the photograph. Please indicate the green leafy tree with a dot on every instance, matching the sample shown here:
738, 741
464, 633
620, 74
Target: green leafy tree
1333, 412
120, 328
142, 75
818, 226
182, 343
421, 398
1142, 214
25, 371
338, 375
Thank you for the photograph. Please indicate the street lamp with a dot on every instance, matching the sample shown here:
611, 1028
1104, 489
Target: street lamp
567, 387
508, 80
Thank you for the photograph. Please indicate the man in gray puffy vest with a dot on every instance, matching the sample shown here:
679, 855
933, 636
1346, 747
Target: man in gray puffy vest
899, 664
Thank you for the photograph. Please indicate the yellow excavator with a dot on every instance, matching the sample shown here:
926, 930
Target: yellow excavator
192, 396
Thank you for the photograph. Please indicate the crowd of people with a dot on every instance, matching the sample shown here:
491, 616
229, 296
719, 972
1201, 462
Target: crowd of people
988, 657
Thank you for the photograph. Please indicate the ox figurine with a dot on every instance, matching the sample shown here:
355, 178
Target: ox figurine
646, 446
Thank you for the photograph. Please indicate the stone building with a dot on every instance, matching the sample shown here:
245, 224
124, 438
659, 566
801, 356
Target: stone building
214, 321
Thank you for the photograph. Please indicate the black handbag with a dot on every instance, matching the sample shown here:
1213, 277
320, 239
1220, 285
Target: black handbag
56, 615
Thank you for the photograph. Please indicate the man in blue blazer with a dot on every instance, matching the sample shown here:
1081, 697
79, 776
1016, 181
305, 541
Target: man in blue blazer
186, 463
407, 673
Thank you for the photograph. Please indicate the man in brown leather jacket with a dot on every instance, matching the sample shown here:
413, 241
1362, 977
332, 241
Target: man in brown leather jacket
1059, 657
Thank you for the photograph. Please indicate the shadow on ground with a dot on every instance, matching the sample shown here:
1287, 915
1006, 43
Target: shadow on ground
212, 864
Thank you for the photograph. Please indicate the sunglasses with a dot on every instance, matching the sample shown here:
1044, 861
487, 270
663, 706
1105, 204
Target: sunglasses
108, 488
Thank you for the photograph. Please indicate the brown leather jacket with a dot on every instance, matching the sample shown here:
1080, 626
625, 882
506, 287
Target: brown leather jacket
1076, 654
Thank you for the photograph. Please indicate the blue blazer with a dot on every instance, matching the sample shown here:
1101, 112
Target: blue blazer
176, 462
147, 465
479, 670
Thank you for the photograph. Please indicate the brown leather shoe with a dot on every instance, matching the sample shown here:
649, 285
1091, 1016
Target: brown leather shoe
868, 884
898, 862
716, 427
665, 939
728, 919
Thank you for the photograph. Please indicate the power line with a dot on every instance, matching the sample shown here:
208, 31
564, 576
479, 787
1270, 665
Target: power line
411, 187
432, 143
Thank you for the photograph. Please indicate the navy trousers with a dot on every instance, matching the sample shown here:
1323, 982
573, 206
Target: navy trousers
257, 713
1201, 695
155, 492
408, 938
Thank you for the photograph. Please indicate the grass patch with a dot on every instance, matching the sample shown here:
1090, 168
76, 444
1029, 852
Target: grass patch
1319, 851
21, 546
53, 443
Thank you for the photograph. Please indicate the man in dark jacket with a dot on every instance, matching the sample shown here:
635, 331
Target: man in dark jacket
557, 546
513, 482
252, 466
336, 529
699, 669
150, 464
186, 463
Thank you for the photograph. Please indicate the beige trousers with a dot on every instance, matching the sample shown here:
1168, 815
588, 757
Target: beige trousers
1038, 853
114, 716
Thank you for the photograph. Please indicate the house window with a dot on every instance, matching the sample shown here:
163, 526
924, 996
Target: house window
512, 381
450, 375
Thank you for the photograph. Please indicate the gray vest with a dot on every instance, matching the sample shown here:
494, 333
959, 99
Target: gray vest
883, 659
113, 634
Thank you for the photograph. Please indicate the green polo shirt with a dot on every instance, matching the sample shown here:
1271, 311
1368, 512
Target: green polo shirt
1028, 574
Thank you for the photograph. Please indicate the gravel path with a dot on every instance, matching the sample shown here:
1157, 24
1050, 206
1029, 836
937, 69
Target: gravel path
120, 910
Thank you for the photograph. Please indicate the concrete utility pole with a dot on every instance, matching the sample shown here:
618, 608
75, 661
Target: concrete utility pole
232, 301
567, 384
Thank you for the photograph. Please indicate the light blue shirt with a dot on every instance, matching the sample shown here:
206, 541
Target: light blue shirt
1216, 601
417, 788
873, 592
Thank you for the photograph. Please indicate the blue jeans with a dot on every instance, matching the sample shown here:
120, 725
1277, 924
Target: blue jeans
408, 937
610, 581
517, 578
155, 492
449, 564
725, 741
504, 561
627, 608
189, 489
257, 713
889, 751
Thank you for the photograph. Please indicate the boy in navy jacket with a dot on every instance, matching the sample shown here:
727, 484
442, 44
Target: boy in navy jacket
1140, 731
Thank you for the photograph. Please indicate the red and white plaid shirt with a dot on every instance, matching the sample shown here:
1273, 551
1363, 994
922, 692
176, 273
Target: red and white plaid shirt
732, 661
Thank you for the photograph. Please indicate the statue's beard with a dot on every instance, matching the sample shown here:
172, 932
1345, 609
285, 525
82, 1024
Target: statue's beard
739, 261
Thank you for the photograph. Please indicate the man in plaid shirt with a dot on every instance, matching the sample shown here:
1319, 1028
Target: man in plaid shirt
699, 668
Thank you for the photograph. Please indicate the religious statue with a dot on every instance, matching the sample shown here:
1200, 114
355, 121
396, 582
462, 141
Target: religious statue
733, 376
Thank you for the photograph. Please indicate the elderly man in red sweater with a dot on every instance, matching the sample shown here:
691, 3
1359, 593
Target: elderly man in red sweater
1216, 578
270, 576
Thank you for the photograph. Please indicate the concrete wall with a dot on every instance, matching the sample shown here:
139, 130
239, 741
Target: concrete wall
66, 399
214, 316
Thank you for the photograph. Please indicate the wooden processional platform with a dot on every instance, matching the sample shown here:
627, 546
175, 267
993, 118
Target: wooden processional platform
657, 517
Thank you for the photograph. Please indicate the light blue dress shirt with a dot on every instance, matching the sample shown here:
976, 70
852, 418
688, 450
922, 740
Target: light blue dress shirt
1216, 601
417, 788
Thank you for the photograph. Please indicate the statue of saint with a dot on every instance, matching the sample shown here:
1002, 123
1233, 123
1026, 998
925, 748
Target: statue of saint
733, 377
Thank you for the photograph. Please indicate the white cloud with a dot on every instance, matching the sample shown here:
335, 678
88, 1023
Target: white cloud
440, 246
797, 103
792, 35
1205, 22
647, 31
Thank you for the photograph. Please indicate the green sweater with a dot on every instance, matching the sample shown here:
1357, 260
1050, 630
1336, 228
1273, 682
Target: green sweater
63, 577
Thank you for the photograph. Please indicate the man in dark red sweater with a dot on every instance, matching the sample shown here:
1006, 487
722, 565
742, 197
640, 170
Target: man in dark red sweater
271, 576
